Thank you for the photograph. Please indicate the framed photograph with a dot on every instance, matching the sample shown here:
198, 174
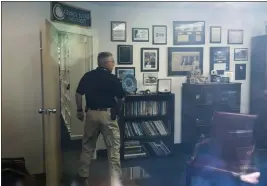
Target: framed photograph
235, 36
149, 59
125, 54
215, 34
140, 35
219, 59
240, 71
159, 34
122, 71
181, 60
188, 32
241, 54
150, 78
118, 31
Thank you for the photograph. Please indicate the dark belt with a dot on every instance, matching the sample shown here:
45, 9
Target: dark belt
99, 109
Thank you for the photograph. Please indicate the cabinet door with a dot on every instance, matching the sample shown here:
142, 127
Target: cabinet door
228, 98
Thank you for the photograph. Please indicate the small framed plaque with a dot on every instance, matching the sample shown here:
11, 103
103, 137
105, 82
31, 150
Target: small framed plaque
159, 33
240, 71
235, 36
125, 54
150, 78
188, 33
140, 35
215, 34
118, 31
241, 54
164, 86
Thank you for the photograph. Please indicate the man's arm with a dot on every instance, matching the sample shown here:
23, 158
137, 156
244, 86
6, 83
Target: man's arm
80, 91
119, 93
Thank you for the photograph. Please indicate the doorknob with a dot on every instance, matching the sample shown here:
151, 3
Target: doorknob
52, 110
41, 111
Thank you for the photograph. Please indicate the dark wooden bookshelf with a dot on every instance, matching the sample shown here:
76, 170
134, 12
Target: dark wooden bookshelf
147, 120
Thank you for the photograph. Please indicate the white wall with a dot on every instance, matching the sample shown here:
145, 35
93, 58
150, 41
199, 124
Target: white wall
21, 93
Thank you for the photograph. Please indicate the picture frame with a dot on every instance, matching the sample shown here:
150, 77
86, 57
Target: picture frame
235, 37
150, 78
164, 86
159, 34
140, 34
219, 59
241, 54
181, 60
215, 34
149, 59
118, 31
240, 71
121, 71
188, 32
125, 54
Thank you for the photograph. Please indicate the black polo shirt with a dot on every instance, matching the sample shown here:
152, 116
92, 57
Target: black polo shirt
100, 88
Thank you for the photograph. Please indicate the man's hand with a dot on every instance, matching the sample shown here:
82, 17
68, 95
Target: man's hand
80, 115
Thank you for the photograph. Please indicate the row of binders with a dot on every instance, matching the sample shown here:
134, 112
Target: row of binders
134, 149
145, 108
145, 128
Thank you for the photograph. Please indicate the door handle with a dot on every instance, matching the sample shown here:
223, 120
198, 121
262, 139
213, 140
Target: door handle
47, 111
51, 111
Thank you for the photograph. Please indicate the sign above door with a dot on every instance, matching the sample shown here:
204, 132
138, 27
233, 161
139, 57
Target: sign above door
63, 13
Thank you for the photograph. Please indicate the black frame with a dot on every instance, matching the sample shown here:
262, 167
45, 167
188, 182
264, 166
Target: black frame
240, 59
213, 50
111, 33
184, 49
118, 68
142, 60
238, 75
175, 42
211, 27
131, 54
153, 42
140, 40
228, 36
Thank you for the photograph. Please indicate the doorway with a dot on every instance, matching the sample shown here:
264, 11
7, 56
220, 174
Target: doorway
65, 57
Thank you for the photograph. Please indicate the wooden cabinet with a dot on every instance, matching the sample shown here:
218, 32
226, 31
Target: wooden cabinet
199, 101
258, 74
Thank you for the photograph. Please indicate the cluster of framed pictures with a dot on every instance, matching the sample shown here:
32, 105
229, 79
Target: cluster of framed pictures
180, 59
149, 63
119, 30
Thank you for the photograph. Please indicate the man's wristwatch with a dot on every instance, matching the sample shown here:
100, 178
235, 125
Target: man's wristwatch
79, 110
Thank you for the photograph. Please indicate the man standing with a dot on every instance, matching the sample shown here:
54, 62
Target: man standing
103, 92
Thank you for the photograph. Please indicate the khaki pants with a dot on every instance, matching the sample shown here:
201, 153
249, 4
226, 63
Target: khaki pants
100, 122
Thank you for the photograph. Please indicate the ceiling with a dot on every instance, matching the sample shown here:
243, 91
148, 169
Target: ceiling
262, 6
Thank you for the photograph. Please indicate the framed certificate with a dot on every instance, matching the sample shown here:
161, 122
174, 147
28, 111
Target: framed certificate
140, 35
159, 34
235, 36
118, 31
215, 34
188, 33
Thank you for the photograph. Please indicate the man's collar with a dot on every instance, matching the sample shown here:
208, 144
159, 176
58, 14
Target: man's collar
103, 68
